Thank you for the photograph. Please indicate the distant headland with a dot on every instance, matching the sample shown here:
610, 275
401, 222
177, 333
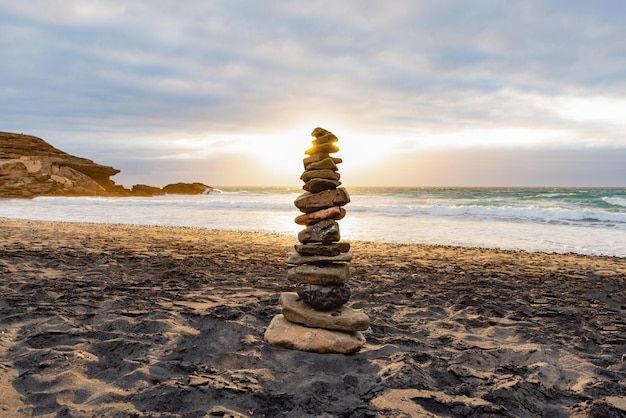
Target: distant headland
30, 167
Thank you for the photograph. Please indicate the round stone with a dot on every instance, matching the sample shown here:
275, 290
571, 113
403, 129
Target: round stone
323, 298
325, 231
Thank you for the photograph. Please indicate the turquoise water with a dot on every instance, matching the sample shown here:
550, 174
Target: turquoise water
580, 220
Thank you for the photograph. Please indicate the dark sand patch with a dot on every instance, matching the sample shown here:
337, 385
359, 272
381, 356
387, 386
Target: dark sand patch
106, 320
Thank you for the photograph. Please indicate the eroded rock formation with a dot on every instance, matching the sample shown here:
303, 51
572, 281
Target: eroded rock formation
31, 167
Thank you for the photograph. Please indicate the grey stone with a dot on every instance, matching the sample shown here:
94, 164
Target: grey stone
311, 202
296, 259
335, 248
325, 164
319, 157
342, 319
324, 298
324, 231
319, 185
328, 274
287, 334
320, 174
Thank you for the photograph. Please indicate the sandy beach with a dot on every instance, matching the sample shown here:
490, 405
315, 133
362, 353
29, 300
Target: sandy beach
117, 320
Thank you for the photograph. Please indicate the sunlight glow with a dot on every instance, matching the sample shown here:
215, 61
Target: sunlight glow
595, 110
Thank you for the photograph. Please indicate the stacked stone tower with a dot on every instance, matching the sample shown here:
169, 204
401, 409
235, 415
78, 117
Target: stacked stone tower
314, 317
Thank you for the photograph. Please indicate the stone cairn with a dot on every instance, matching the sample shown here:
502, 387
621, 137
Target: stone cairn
314, 317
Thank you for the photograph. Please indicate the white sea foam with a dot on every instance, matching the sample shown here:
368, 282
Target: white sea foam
617, 201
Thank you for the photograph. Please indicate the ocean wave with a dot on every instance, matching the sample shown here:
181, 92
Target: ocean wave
517, 214
553, 195
485, 209
615, 201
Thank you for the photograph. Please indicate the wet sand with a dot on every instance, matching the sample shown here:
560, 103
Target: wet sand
113, 320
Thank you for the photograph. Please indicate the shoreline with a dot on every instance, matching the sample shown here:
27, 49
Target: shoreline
104, 319
279, 234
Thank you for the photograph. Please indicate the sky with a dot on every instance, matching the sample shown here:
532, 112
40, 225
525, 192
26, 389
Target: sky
419, 93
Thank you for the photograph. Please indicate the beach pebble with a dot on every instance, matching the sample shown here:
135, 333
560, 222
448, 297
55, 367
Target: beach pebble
324, 298
325, 164
325, 231
319, 157
297, 259
311, 202
287, 334
318, 132
324, 139
336, 213
335, 273
320, 174
319, 185
335, 248
327, 148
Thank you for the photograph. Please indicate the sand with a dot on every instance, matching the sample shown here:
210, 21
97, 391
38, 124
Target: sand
112, 320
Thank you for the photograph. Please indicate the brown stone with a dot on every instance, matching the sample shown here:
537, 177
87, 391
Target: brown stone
341, 319
336, 213
335, 248
336, 273
31, 167
187, 188
320, 174
145, 190
297, 258
324, 231
286, 334
324, 298
319, 157
317, 132
325, 139
319, 185
325, 164
328, 148
311, 202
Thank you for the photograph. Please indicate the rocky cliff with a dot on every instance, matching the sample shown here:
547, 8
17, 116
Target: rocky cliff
30, 167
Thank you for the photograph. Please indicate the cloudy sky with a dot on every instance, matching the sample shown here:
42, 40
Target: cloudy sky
421, 93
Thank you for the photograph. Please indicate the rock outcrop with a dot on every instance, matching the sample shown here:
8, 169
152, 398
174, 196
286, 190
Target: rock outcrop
31, 167
187, 188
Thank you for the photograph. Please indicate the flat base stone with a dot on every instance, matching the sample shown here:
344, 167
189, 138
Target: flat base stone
314, 340
323, 249
326, 274
340, 319
297, 259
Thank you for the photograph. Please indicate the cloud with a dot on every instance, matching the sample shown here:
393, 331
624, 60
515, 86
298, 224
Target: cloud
111, 78
498, 167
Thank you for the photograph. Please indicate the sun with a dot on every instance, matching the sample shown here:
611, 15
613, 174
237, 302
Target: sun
354, 148
275, 157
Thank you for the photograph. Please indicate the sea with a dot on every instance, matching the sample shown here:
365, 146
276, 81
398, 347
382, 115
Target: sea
588, 221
